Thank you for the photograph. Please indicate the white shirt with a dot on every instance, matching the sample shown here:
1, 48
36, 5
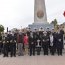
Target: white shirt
51, 40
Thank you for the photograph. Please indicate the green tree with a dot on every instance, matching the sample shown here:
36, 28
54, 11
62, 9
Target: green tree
54, 22
1, 28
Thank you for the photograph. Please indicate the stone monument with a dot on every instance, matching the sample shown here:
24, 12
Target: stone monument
40, 17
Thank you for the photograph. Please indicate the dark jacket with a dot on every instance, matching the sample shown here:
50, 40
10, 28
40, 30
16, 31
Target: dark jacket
20, 38
59, 40
46, 41
31, 42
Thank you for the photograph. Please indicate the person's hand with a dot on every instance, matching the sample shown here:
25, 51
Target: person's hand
59, 40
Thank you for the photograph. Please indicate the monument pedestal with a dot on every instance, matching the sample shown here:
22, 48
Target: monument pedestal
39, 25
40, 17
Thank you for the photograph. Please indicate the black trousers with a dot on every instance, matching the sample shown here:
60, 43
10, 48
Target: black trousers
5, 50
1, 46
13, 49
52, 50
45, 49
32, 50
59, 51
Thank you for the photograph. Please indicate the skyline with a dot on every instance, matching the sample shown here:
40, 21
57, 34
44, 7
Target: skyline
17, 13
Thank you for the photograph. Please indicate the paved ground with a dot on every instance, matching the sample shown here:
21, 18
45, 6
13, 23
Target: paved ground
33, 60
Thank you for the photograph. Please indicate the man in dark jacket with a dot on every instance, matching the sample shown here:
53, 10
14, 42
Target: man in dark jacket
31, 44
38, 43
59, 43
45, 43
52, 44
9, 38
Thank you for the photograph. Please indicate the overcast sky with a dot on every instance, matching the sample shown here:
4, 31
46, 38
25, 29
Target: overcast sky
17, 13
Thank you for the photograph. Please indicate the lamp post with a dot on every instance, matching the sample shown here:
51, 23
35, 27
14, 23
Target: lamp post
7, 29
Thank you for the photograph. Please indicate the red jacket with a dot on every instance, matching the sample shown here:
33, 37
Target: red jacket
19, 38
25, 40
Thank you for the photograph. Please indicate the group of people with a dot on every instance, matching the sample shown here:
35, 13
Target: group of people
22, 43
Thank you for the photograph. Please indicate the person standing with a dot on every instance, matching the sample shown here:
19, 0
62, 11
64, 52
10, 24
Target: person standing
1, 44
20, 43
14, 41
9, 38
45, 43
59, 43
38, 44
52, 44
62, 32
6, 45
31, 44
25, 40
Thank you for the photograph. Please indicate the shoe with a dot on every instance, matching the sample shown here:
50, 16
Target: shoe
61, 54
7, 56
58, 54
3, 56
14, 55
30, 54
11, 56
33, 54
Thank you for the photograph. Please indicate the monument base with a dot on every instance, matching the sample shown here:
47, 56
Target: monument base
39, 25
